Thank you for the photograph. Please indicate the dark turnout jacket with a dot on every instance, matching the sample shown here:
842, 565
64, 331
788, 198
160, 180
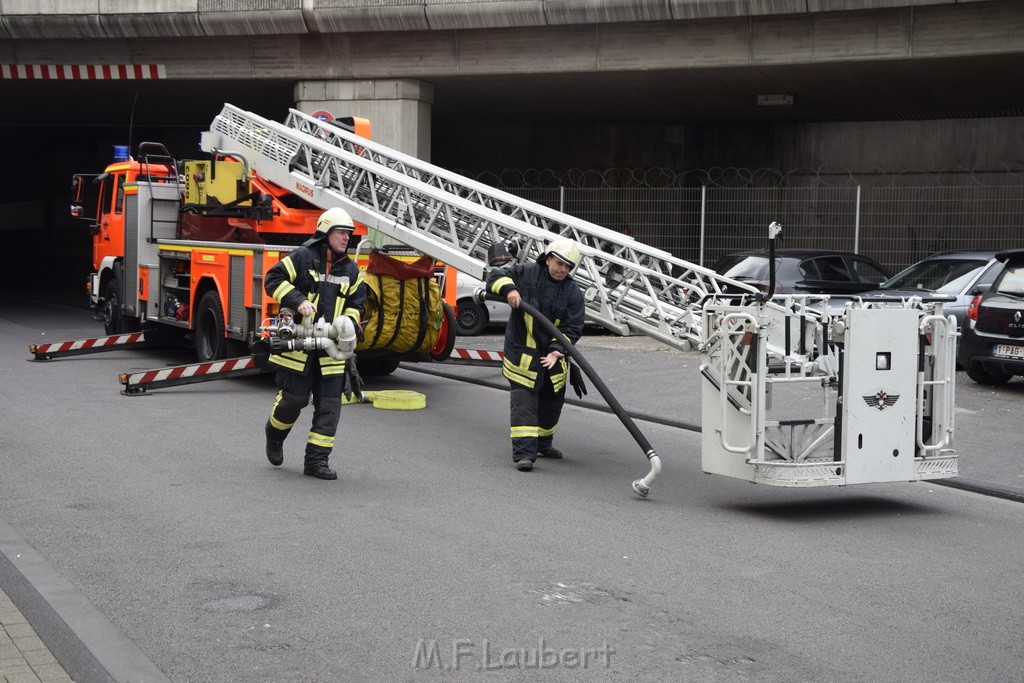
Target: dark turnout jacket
525, 341
300, 275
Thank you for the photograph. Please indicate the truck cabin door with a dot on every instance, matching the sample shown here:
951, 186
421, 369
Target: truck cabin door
109, 237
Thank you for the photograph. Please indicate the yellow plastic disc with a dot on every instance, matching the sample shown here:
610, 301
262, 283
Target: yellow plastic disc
396, 399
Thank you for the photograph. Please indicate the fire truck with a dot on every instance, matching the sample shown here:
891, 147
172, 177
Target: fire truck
184, 246
793, 393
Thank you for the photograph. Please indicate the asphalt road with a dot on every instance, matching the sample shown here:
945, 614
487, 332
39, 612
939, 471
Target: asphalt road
432, 557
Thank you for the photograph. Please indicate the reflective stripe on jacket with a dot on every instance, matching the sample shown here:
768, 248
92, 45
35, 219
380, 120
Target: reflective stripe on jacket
525, 342
299, 276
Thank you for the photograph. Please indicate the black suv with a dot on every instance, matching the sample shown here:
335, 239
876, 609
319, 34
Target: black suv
992, 345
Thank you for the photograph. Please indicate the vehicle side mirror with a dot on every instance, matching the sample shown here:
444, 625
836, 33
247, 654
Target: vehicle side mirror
980, 289
76, 210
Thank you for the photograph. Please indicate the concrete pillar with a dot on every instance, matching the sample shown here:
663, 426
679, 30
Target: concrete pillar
398, 109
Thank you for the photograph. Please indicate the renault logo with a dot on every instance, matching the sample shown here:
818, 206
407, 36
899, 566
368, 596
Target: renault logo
1016, 317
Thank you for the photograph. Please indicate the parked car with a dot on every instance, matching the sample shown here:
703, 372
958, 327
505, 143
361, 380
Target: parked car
804, 271
472, 318
992, 345
957, 274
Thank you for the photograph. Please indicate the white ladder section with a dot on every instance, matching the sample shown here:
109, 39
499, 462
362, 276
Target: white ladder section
629, 287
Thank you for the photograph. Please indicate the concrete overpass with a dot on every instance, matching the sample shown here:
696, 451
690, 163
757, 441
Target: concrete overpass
488, 85
417, 66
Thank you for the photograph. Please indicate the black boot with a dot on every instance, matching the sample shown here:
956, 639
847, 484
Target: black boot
320, 471
275, 451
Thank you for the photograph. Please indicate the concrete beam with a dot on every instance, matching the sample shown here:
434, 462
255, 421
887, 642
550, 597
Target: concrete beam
234, 18
443, 15
399, 15
85, 19
710, 9
946, 31
41, 19
586, 12
158, 19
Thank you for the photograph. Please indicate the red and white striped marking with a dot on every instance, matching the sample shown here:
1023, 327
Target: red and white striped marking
195, 370
82, 72
94, 343
468, 354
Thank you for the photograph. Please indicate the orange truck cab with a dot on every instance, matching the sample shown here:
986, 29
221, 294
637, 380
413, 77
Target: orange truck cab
186, 245
106, 193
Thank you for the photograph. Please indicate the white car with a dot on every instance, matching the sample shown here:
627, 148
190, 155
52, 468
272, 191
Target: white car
472, 318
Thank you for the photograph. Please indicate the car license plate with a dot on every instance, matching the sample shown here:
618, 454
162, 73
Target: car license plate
1008, 351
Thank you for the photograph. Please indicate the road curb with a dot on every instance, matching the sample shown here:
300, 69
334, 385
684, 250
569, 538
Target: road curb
81, 638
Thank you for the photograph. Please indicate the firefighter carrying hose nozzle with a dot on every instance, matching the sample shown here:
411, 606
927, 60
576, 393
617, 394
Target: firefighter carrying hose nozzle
535, 363
324, 286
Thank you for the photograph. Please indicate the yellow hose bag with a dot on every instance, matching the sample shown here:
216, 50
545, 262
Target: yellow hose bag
403, 305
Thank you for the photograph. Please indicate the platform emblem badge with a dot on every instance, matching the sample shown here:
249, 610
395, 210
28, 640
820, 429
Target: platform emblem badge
881, 399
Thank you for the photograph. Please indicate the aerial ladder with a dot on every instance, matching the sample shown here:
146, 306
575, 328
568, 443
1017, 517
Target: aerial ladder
793, 394
630, 287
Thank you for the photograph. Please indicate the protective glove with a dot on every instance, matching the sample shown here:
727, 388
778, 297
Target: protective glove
576, 380
357, 380
260, 349
352, 383
346, 384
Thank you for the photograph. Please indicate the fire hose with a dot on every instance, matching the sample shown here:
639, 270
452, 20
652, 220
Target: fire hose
642, 486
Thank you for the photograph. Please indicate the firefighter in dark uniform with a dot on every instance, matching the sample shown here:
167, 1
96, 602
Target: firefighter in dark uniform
535, 363
318, 279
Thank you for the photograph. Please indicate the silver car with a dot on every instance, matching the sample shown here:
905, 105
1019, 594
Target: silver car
959, 274
472, 318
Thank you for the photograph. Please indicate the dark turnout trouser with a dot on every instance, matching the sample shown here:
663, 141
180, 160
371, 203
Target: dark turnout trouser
293, 395
535, 414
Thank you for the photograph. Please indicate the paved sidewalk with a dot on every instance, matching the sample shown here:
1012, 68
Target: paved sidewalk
49, 630
24, 657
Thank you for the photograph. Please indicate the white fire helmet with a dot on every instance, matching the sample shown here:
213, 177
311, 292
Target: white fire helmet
331, 219
565, 249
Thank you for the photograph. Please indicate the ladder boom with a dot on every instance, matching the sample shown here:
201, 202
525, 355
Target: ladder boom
629, 287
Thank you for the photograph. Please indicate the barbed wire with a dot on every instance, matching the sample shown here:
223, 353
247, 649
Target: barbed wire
1009, 174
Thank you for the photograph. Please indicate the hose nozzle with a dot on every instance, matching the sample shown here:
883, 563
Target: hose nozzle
643, 486
338, 339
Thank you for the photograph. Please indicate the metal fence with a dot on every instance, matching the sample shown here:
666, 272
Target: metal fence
894, 225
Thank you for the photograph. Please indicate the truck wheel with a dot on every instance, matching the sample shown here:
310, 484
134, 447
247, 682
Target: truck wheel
211, 344
471, 318
113, 318
376, 367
